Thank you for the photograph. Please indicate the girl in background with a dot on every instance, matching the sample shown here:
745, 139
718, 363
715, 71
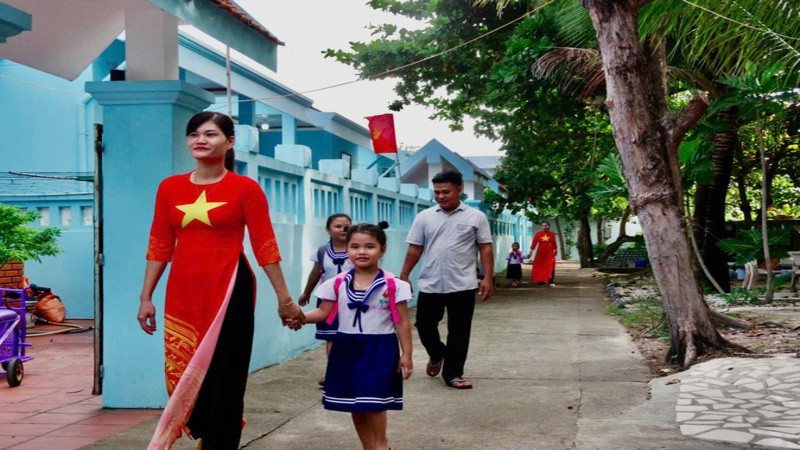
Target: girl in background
514, 267
329, 260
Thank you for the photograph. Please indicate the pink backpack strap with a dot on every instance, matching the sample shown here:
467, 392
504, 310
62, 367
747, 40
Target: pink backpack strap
391, 292
337, 283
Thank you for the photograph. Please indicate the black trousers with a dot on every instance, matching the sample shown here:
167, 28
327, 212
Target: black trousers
217, 414
460, 307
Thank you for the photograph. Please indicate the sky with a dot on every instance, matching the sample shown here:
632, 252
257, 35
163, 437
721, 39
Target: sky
308, 27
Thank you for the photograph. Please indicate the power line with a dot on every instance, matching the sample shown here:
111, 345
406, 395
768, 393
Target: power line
762, 29
48, 88
405, 66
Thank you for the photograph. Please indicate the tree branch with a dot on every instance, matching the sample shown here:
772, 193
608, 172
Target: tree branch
723, 319
613, 247
686, 119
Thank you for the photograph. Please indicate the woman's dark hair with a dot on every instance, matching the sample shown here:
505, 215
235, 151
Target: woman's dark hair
370, 229
224, 123
333, 217
449, 176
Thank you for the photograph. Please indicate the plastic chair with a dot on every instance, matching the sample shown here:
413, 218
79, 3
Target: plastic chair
751, 273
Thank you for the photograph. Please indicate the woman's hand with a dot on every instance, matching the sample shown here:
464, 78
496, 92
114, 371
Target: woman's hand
303, 299
147, 316
405, 366
293, 324
291, 315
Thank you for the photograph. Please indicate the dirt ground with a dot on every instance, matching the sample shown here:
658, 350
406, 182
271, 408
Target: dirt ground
776, 327
764, 340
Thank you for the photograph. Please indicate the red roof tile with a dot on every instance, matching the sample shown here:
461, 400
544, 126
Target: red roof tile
240, 14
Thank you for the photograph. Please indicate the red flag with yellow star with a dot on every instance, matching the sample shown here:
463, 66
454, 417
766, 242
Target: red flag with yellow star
381, 130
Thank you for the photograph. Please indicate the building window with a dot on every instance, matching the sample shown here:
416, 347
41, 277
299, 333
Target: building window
44, 216
87, 213
66, 216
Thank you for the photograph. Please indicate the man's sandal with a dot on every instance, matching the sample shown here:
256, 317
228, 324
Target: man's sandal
433, 368
459, 383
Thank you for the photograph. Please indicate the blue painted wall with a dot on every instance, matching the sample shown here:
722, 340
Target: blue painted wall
49, 130
45, 130
267, 140
324, 144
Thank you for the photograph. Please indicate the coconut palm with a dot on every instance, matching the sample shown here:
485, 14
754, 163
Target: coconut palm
702, 46
634, 37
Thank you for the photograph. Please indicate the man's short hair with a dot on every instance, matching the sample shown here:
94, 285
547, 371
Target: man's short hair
449, 176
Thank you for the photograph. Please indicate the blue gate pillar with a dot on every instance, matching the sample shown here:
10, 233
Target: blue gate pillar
144, 141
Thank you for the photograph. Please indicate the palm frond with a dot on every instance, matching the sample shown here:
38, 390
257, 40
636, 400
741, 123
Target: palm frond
579, 69
721, 37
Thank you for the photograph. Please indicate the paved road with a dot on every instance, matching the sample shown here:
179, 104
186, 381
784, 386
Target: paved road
552, 370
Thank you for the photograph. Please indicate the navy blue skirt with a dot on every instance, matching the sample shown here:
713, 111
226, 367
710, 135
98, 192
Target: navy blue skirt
362, 374
326, 332
514, 272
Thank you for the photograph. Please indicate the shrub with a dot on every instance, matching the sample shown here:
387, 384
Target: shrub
20, 242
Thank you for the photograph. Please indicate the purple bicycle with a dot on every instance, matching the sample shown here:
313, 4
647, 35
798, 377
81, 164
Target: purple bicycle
13, 330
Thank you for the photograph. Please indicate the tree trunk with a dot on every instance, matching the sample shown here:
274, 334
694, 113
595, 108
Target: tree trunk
725, 143
585, 251
622, 237
643, 131
741, 188
599, 231
773, 167
768, 295
700, 211
561, 246
623, 222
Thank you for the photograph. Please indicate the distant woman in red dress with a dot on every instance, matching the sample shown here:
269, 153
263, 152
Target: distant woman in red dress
544, 264
198, 226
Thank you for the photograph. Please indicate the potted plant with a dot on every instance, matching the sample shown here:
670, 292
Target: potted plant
20, 242
748, 245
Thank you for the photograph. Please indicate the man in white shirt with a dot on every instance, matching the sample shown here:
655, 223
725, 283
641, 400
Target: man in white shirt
446, 237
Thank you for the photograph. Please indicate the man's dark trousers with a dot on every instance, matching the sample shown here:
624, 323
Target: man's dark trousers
430, 311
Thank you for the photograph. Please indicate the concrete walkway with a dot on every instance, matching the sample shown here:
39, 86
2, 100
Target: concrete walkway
551, 370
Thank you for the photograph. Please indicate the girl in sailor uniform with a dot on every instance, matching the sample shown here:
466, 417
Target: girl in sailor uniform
329, 260
366, 368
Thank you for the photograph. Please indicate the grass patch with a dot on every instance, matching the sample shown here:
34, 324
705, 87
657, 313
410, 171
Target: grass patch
645, 316
742, 296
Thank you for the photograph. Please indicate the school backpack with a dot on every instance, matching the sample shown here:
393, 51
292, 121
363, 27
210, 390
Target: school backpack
391, 292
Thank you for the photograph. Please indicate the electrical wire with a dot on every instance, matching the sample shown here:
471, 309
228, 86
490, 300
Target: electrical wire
47, 88
405, 66
436, 55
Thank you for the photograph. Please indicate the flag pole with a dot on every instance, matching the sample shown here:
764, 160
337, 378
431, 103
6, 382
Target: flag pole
397, 163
